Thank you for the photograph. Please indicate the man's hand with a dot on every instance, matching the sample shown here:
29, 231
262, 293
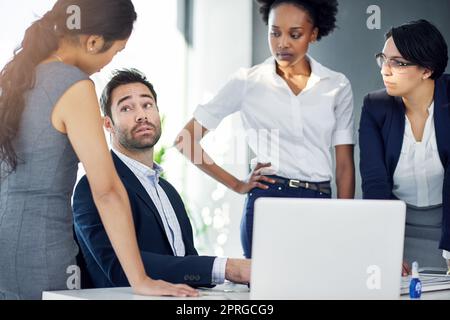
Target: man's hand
238, 270
448, 267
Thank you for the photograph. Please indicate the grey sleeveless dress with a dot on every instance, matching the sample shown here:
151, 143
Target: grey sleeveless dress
36, 237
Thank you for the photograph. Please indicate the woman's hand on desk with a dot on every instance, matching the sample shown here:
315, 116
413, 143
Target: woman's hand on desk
406, 270
255, 180
150, 287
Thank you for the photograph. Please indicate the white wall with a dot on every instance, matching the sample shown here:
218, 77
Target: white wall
15, 17
221, 45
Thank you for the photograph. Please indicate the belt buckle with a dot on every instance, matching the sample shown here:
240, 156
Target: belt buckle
292, 184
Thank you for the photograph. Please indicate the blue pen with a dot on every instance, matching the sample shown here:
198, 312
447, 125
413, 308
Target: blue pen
415, 286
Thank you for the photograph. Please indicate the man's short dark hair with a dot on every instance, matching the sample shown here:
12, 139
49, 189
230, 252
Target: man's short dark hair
120, 78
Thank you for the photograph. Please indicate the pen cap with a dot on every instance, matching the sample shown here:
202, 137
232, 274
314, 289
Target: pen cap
415, 270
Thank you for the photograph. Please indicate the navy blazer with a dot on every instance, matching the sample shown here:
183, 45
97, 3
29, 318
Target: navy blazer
381, 133
159, 261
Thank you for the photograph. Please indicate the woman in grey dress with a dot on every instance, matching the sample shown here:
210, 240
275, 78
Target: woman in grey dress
50, 118
405, 139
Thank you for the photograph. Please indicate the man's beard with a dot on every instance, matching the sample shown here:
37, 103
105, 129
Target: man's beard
127, 140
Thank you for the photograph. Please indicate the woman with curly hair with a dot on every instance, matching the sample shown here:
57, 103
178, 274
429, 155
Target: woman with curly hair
309, 105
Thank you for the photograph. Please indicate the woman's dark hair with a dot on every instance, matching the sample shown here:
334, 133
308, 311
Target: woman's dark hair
121, 78
112, 19
322, 12
422, 43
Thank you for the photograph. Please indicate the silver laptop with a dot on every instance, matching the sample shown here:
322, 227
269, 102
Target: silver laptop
327, 249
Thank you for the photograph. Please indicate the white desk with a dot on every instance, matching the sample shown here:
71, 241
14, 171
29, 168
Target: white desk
224, 292
227, 291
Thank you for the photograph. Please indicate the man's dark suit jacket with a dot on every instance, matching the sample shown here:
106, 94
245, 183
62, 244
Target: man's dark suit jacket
160, 263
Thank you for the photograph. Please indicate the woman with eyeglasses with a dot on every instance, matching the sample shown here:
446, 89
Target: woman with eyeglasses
309, 105
405, 139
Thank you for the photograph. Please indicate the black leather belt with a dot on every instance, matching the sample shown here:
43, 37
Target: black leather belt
324, 187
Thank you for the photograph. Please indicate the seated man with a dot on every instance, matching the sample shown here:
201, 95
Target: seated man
163, 229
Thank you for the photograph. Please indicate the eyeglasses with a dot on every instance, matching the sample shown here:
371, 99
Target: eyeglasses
395, 65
